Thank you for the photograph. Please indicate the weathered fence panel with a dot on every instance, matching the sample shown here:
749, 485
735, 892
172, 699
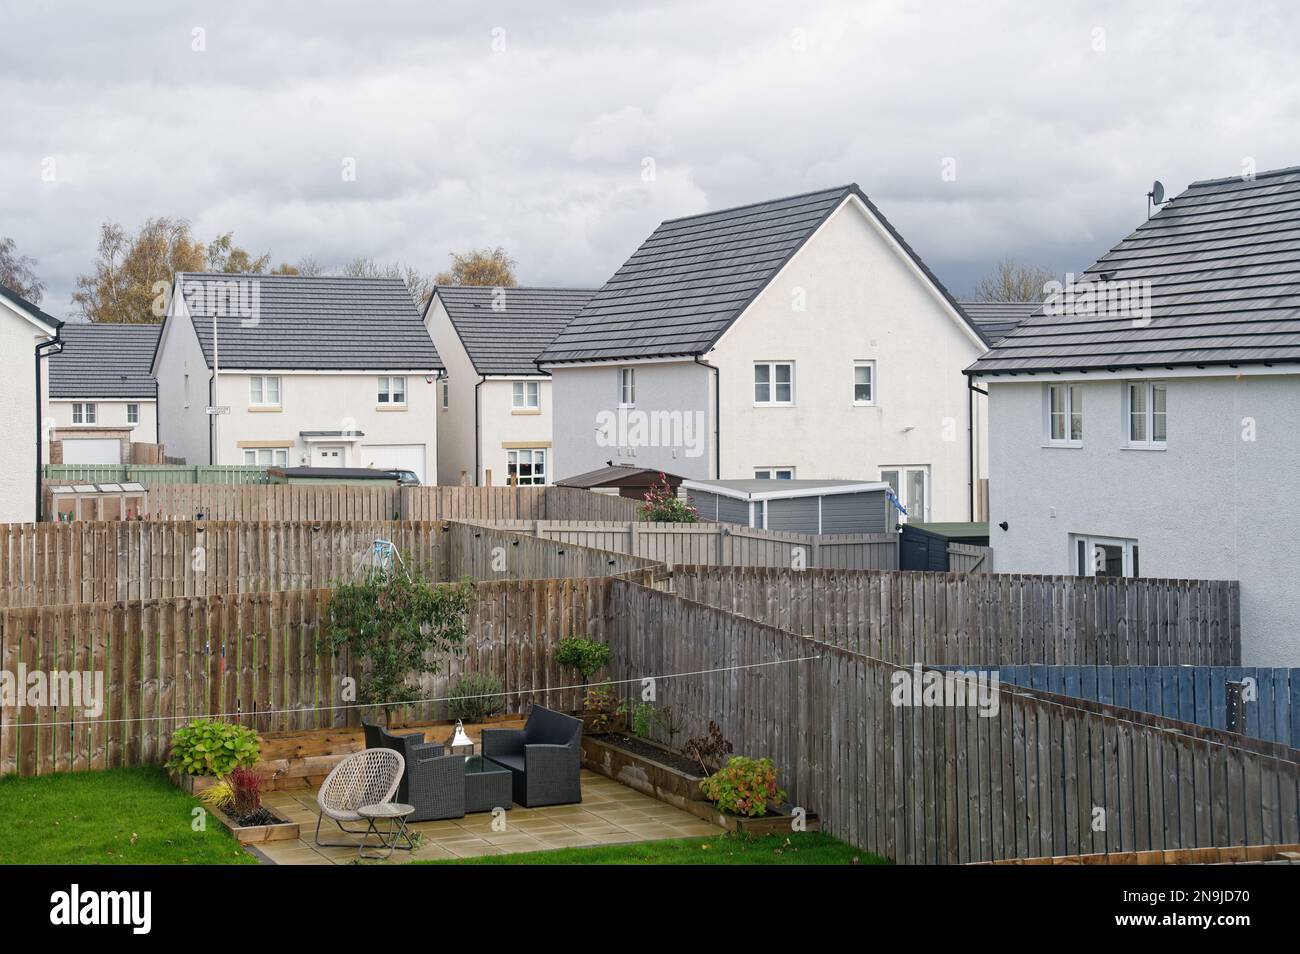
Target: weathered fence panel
986, 618
254, 658
945, 784
715, 544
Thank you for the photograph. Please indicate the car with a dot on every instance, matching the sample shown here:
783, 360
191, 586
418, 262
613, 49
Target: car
407, 478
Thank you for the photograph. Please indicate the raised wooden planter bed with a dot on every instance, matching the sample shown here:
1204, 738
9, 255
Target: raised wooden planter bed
644, 774
778, 820
257, 834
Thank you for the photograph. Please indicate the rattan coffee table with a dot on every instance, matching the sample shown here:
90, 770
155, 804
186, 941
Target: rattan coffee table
487, 785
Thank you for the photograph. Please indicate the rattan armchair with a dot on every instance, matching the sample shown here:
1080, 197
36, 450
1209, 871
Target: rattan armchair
544, 757
412, 747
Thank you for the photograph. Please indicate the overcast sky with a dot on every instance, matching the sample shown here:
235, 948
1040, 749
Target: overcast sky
529, 124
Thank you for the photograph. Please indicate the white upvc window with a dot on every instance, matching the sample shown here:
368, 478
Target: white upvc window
446, 394
526, 396
774, 383
392, 390
1145, 412
1063, 414
1104, 556
774, 473
864, 383
84, 413
264, 390
527, 466
133, 413
911, 485
267, 456
626, 387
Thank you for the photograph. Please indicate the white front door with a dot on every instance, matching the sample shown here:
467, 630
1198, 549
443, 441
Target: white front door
328, 455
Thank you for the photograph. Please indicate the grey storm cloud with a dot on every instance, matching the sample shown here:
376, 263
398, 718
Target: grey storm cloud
529, 125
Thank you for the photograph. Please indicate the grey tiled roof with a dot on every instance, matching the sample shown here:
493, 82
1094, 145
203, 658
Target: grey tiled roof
328, 324
997, 319
104, 360
509, 340
16, 299
694, 276
1223, 263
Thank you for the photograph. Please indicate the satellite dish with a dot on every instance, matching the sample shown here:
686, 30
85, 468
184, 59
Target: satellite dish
1157, 192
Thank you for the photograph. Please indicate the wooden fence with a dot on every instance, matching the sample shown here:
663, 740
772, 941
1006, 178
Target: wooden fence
717, 544
941, 783
338, 502
154, 474
968, 558
1195, 694
986, 619
84, 562
253, 658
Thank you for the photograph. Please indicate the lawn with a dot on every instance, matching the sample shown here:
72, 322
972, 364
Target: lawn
810, 848
131, 816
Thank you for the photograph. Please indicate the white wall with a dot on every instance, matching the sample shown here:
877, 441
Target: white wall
862, 300
182, 417
456, 424
109, 412
500, 424
1211, 506
582, 394
18, 402
315, 401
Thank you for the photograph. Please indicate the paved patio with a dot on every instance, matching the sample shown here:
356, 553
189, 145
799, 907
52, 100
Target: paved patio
610, 813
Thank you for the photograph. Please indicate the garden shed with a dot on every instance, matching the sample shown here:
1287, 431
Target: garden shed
800, 506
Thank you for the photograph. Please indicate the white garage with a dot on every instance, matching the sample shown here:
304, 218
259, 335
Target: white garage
88, 450
394, 457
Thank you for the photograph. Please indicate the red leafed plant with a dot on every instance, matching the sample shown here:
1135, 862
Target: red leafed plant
245, 791
662, 505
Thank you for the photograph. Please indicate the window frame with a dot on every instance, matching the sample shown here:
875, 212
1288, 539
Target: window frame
385, 391
271, 453
627, 387
262, 380
1149, 414
85, 412
870, 366
1071, 390
513, 458
132, 413
1130, 560
772, 383
446, 393
927, 489
523, 388
773, 473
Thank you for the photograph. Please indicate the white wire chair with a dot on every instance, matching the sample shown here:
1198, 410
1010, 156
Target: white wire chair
369, 777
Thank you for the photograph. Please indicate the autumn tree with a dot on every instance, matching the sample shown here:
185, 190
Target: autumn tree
1014, 281
130, 270
491, 267
17, 272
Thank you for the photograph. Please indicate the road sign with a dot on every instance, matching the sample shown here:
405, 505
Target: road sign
223, 409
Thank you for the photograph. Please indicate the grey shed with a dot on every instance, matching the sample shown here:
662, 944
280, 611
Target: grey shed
796, 506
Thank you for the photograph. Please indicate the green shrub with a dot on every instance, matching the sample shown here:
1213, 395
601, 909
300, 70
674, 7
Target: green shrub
585, 656
644, 718
475, 697
662, 505
743, 786
205, 747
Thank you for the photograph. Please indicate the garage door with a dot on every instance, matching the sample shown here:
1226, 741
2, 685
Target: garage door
394, 457
92, 451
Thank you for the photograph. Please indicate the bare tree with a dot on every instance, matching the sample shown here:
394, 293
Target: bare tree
1014, 281
17, 272
418, 283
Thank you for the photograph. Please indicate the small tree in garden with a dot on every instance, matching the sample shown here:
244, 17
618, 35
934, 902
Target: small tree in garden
662, 505
396, 624
584, 656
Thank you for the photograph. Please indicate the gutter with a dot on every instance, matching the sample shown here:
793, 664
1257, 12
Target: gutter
478, 418
971, 391
57, 345
717, 415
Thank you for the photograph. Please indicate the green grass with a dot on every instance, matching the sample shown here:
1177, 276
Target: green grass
131, 816
809, 848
